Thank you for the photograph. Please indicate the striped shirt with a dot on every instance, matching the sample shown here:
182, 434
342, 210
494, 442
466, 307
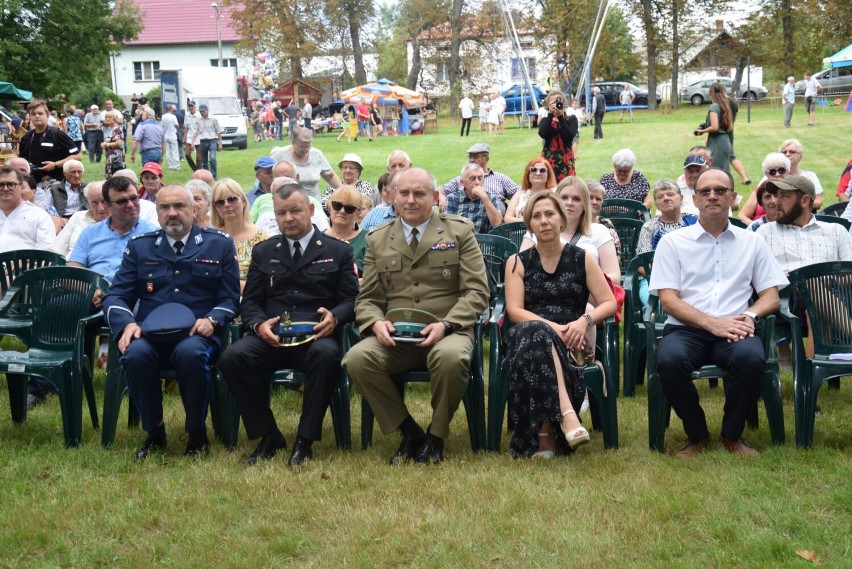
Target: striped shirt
817, 242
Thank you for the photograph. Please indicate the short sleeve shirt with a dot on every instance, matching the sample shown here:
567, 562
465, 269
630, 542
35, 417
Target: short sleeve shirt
49, 146
100, 248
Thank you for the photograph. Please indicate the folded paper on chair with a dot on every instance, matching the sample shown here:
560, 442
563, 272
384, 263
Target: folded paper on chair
847, 357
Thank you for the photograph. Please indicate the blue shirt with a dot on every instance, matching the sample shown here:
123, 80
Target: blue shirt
377, 216
150, 135
100, 247
473, 209
255, 192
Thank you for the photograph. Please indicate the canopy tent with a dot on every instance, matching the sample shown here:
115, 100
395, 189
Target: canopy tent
842, 58
9, 91
384, 93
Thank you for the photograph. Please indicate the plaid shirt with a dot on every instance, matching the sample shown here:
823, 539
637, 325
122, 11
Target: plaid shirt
817, 242
473, 209
497, 185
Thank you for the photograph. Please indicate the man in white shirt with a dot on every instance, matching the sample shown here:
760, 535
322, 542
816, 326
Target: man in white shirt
705, 275
788, 98
169, 123
190, 128
466, 107
308, 115
23, 225
501, 110
812, 89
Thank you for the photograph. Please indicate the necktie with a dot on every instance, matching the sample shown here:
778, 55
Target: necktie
178, 247
297, 251
414, 242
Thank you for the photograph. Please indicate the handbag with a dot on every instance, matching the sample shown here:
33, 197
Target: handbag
619, 294
116, 162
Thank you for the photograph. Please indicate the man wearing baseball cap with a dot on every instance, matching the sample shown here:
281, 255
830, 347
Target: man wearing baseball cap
190, 129
498, 185
263, 178
152, 181
209, 139
693, 165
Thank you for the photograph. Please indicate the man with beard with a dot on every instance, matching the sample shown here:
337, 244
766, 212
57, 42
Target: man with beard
194, 271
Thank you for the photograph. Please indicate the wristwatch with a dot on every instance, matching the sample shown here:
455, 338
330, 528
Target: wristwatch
214, 322
752, 315
448, 328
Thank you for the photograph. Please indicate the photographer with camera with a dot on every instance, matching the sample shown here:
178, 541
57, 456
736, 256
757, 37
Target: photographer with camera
558, 131
45, 147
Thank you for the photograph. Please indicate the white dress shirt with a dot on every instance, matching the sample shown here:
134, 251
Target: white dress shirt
26, 227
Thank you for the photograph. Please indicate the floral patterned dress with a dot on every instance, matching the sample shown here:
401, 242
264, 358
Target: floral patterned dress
558, 135
117, 135
533, 394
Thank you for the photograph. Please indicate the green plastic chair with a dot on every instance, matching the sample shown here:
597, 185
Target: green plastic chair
834, 219
635, 339
514, 232
826, 290
13, 264
495, 251
628, 233
602, 400
58, 302
229, 415
834, 210
736, 222
473, 400
659, 410
616, 208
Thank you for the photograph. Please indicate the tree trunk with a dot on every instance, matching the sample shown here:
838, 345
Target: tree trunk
355, 36
454, 71
787, 30
416, 63
651, 41
675, 96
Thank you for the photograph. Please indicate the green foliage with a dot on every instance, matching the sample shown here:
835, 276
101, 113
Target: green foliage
389, 43
47, 46
153, 92
87, 94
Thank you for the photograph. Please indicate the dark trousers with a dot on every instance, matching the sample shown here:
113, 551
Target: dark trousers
246, 364
190, 358
598, 129
465, 122
684, 349
188, 151
93, 144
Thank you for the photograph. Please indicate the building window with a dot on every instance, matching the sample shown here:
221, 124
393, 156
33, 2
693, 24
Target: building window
146, 70
517, 73
442, 71
225, 62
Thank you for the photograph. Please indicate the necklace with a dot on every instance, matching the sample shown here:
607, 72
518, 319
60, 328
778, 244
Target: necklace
346, 238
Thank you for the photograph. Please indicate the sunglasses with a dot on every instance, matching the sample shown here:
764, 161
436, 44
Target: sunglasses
350, 209
776, 171
705, 192
534, 170
230, 199
121, 202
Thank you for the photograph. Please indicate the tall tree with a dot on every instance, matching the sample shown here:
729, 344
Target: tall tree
352, 15
49, 46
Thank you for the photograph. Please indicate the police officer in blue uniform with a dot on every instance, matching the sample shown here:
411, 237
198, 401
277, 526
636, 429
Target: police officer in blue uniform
300, 274
184, 264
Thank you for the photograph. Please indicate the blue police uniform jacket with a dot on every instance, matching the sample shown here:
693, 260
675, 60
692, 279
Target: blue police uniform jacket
204, 277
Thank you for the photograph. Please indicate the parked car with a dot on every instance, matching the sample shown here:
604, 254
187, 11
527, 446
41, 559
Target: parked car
835, 82
611, 89
518, 98
698, 93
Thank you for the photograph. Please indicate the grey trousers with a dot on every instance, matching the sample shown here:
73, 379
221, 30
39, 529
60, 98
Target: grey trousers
788, 114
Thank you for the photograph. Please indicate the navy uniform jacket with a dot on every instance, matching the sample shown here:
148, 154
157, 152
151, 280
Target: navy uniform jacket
325, 277
205, 278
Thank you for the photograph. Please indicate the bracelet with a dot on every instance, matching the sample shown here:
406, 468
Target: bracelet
589, 318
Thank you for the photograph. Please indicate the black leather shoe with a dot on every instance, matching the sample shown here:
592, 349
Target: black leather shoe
198, 445
301, 452
155, 442
407, 449
267, 448
432, 451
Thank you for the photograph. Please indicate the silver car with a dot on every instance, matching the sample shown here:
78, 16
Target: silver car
835, 82
698, 93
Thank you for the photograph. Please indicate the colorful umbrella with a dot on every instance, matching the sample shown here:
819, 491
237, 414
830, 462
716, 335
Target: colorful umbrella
386, 94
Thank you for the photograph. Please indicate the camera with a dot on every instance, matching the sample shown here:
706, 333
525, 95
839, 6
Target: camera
560, 104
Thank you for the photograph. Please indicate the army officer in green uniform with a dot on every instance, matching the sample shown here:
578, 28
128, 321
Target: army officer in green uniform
425, 261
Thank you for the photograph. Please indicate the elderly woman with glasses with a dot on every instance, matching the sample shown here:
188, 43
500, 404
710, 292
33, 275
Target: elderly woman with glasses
231, 215
624, 182
538, 176
775, 167
351, 168
793, 149
344, 207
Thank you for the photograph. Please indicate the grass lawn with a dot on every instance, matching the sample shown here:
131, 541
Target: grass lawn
90, 507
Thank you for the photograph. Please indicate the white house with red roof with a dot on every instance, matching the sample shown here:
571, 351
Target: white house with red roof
175, 34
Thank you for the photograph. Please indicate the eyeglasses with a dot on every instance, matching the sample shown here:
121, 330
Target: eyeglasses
705, 192
350, 209
9, 185
230, 200
790, 152
534, 170
121, 202
776, 171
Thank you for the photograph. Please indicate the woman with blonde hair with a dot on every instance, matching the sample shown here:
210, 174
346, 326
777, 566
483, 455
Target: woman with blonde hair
344, 207
231, 215
538, 176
